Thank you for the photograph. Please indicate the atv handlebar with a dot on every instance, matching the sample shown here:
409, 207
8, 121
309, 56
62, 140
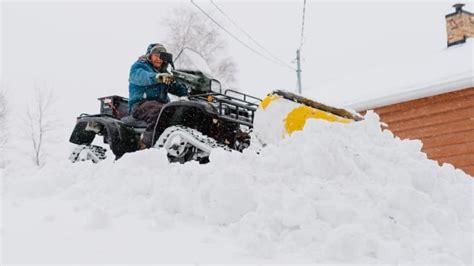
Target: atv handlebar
197, 81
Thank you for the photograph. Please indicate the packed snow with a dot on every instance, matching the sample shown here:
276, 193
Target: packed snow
333, 193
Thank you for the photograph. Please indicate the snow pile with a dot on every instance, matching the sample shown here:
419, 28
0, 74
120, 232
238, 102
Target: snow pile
333, 193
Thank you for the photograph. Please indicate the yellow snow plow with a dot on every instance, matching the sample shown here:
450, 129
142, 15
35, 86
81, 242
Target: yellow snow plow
294, 110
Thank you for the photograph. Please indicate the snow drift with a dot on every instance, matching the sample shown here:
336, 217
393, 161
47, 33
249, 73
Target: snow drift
331, 193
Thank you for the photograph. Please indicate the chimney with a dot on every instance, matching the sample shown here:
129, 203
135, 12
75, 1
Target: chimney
459, 25
458, 7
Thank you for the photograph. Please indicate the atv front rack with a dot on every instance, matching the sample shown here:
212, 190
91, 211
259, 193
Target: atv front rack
233, 105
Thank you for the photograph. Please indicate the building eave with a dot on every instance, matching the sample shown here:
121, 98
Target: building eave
463, 81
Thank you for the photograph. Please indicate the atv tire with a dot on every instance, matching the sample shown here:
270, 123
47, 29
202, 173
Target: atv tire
88, 152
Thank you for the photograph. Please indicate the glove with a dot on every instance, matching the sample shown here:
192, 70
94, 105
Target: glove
164, 78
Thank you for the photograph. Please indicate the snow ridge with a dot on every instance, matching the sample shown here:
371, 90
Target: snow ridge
332, 193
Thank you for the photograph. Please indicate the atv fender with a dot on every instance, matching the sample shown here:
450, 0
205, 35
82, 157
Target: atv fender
120, 137
196, 115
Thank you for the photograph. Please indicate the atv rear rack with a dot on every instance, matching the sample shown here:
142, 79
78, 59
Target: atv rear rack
239, 108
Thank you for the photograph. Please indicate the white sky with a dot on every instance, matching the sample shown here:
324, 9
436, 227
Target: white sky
84, 50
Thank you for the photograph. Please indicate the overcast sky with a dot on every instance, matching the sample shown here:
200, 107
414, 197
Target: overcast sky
84, 50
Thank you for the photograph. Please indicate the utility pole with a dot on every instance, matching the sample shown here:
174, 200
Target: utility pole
298, 70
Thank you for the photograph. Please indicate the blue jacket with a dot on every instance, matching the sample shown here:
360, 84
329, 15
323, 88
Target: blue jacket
143, 85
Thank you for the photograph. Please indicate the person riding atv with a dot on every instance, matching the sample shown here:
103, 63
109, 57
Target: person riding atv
149, 84
188, 128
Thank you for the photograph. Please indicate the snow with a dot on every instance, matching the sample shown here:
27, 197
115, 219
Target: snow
447, 70
333, 193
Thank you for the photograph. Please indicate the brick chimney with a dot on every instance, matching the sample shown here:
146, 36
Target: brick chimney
459, 25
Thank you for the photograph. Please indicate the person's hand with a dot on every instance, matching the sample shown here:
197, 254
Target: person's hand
165, 78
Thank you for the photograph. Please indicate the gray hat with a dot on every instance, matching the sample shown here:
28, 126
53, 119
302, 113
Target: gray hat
155, 48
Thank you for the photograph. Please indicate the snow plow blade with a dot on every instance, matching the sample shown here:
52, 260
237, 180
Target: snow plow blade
293, 111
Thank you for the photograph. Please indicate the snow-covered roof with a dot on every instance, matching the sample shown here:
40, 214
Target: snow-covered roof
449, 84
449, 70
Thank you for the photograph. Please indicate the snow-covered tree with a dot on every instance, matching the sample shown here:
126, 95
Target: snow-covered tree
189, 28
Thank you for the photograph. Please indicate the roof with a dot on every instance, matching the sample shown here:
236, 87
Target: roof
449, 70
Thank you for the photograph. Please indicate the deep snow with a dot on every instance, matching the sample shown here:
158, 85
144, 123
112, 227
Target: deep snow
332, 193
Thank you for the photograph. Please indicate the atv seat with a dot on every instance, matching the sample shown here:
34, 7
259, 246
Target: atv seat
132, 122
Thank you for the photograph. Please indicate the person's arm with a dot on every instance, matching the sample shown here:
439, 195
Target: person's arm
141, 76
178, 89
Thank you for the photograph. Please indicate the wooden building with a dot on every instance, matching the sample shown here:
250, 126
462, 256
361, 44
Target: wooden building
444, 123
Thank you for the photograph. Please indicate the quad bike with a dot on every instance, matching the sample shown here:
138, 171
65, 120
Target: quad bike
188, 128
191, 127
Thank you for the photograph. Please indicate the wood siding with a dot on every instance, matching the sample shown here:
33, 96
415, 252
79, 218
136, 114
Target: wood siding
444, 123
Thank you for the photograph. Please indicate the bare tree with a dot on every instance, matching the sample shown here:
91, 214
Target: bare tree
40, 123
3, 125
188, 28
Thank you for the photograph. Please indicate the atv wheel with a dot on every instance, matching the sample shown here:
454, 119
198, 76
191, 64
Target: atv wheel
88, 152
185, 156
184, 144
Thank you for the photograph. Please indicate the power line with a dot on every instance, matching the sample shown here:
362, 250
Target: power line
233, 36
302, 25
250, 37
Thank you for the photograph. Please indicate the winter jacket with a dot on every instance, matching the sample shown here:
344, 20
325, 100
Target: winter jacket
143, 85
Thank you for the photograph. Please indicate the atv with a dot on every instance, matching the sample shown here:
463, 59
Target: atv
188, 128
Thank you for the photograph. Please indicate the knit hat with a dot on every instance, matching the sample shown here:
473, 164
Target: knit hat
155, 48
